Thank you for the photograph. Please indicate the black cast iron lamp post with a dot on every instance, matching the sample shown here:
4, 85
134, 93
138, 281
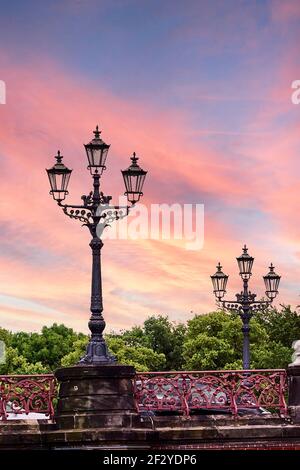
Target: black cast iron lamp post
96, 213
245, 303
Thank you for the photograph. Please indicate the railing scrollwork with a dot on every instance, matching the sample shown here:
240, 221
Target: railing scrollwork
24, 394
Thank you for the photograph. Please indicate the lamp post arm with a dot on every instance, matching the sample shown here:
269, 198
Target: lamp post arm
237, 305
89, 208
263, 304
79, 212
108, 214
97, 215
230, 305
72, 206
119, 212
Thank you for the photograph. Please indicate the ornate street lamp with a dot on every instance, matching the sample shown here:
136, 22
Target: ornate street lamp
59, 176
134, 178
245, 263
272, 283
219, 280
96, 213
245, 304
96, 151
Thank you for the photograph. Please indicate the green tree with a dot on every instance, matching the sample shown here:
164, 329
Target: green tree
5, 336
215, 341
271, 355
135, 336
78, 350
207, 352
142, 358
211, 341
162, 336
47, 347
282, 325
18, 364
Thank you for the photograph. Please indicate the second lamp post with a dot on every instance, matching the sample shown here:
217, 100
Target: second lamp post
245, 303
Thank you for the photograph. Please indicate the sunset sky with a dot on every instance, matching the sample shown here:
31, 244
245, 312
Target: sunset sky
201, 90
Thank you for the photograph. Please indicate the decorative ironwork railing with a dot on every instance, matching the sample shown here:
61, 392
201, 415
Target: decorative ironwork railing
24, 394
234, 391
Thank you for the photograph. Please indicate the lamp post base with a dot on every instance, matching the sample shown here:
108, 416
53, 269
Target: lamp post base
97, 354
96, 396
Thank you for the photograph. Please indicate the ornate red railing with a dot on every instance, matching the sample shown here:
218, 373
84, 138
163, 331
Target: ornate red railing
235, 392
24, 394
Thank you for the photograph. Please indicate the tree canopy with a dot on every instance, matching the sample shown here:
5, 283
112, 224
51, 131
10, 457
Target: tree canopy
210, 341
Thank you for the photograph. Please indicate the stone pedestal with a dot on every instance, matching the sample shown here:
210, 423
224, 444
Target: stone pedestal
294, 392
96, 397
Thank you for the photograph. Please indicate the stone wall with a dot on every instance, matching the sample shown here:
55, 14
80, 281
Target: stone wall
200, 432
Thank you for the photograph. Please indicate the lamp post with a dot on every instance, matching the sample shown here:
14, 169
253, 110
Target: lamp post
96, 213
245, 303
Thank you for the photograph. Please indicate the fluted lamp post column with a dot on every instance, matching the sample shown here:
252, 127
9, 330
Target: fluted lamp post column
245, 304
93, 388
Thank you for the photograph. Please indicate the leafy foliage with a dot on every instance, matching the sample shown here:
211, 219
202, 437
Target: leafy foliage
76, 354
283, 325
141, 357
18, 364
162, 336
215, 341
211, 341
47, 347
